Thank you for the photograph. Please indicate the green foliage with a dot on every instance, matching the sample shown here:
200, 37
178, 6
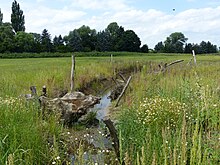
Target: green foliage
205, 48
90, 119
188, 48
36, 47
1, 17
24, 42
58, 43
78, 54
74, 41
17, 17
46, 41
128, 41
6, 38
159, 47
88, 37
104, 41
174, 43
144, 49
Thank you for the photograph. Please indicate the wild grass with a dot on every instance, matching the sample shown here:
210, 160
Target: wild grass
173, 117
27, 136
23, 133
186, 133
17, 75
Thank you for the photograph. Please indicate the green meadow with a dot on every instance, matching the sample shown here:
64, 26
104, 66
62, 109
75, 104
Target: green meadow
170, 117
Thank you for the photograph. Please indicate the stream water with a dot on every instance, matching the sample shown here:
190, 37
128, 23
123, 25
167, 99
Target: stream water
99, 140
102, 108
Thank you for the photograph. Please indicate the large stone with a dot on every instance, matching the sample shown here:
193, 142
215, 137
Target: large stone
70, 107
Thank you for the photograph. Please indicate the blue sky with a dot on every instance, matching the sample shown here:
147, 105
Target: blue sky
152, 20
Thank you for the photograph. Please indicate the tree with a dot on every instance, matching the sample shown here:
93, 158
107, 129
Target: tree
17, 17
58, 40
37, 42
197, 48
129, 41
113, 29
88, 37
174, 43
159, 47
203, 47
46, 41
115, 32
1, 17
144, 49
188, 48
103, 41
58, 43
24, 42
207, 47
6, 38
73, 41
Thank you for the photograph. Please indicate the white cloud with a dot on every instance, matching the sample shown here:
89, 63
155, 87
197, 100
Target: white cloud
151, 25
54, 20
100, 4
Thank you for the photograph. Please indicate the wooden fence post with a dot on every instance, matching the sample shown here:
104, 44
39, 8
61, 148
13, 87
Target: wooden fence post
194, 56
72, 74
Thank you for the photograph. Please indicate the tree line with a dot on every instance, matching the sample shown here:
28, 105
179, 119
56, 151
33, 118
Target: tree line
13, 38
177, 43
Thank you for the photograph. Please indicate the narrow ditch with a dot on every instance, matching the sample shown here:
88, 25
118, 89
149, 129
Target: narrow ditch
102, 108
95, 140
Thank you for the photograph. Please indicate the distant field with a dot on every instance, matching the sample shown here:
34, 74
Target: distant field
18, 74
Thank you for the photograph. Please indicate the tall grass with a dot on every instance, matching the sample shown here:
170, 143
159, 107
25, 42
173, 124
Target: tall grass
173, 117
23, 135
28, 137
17, 75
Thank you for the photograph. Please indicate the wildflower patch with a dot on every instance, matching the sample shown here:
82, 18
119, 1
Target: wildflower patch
162, 111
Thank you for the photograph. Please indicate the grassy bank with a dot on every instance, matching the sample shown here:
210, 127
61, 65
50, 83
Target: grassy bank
173, 116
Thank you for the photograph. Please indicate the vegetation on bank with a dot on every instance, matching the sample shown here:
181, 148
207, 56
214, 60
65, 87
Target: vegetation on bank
167, 118
173, 117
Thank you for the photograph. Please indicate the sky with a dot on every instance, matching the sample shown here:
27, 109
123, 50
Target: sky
151, 20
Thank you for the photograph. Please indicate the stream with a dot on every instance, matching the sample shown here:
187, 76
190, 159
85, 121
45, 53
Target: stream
102, 108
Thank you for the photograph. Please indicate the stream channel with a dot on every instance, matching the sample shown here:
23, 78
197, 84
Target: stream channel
102, 108
96, 138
